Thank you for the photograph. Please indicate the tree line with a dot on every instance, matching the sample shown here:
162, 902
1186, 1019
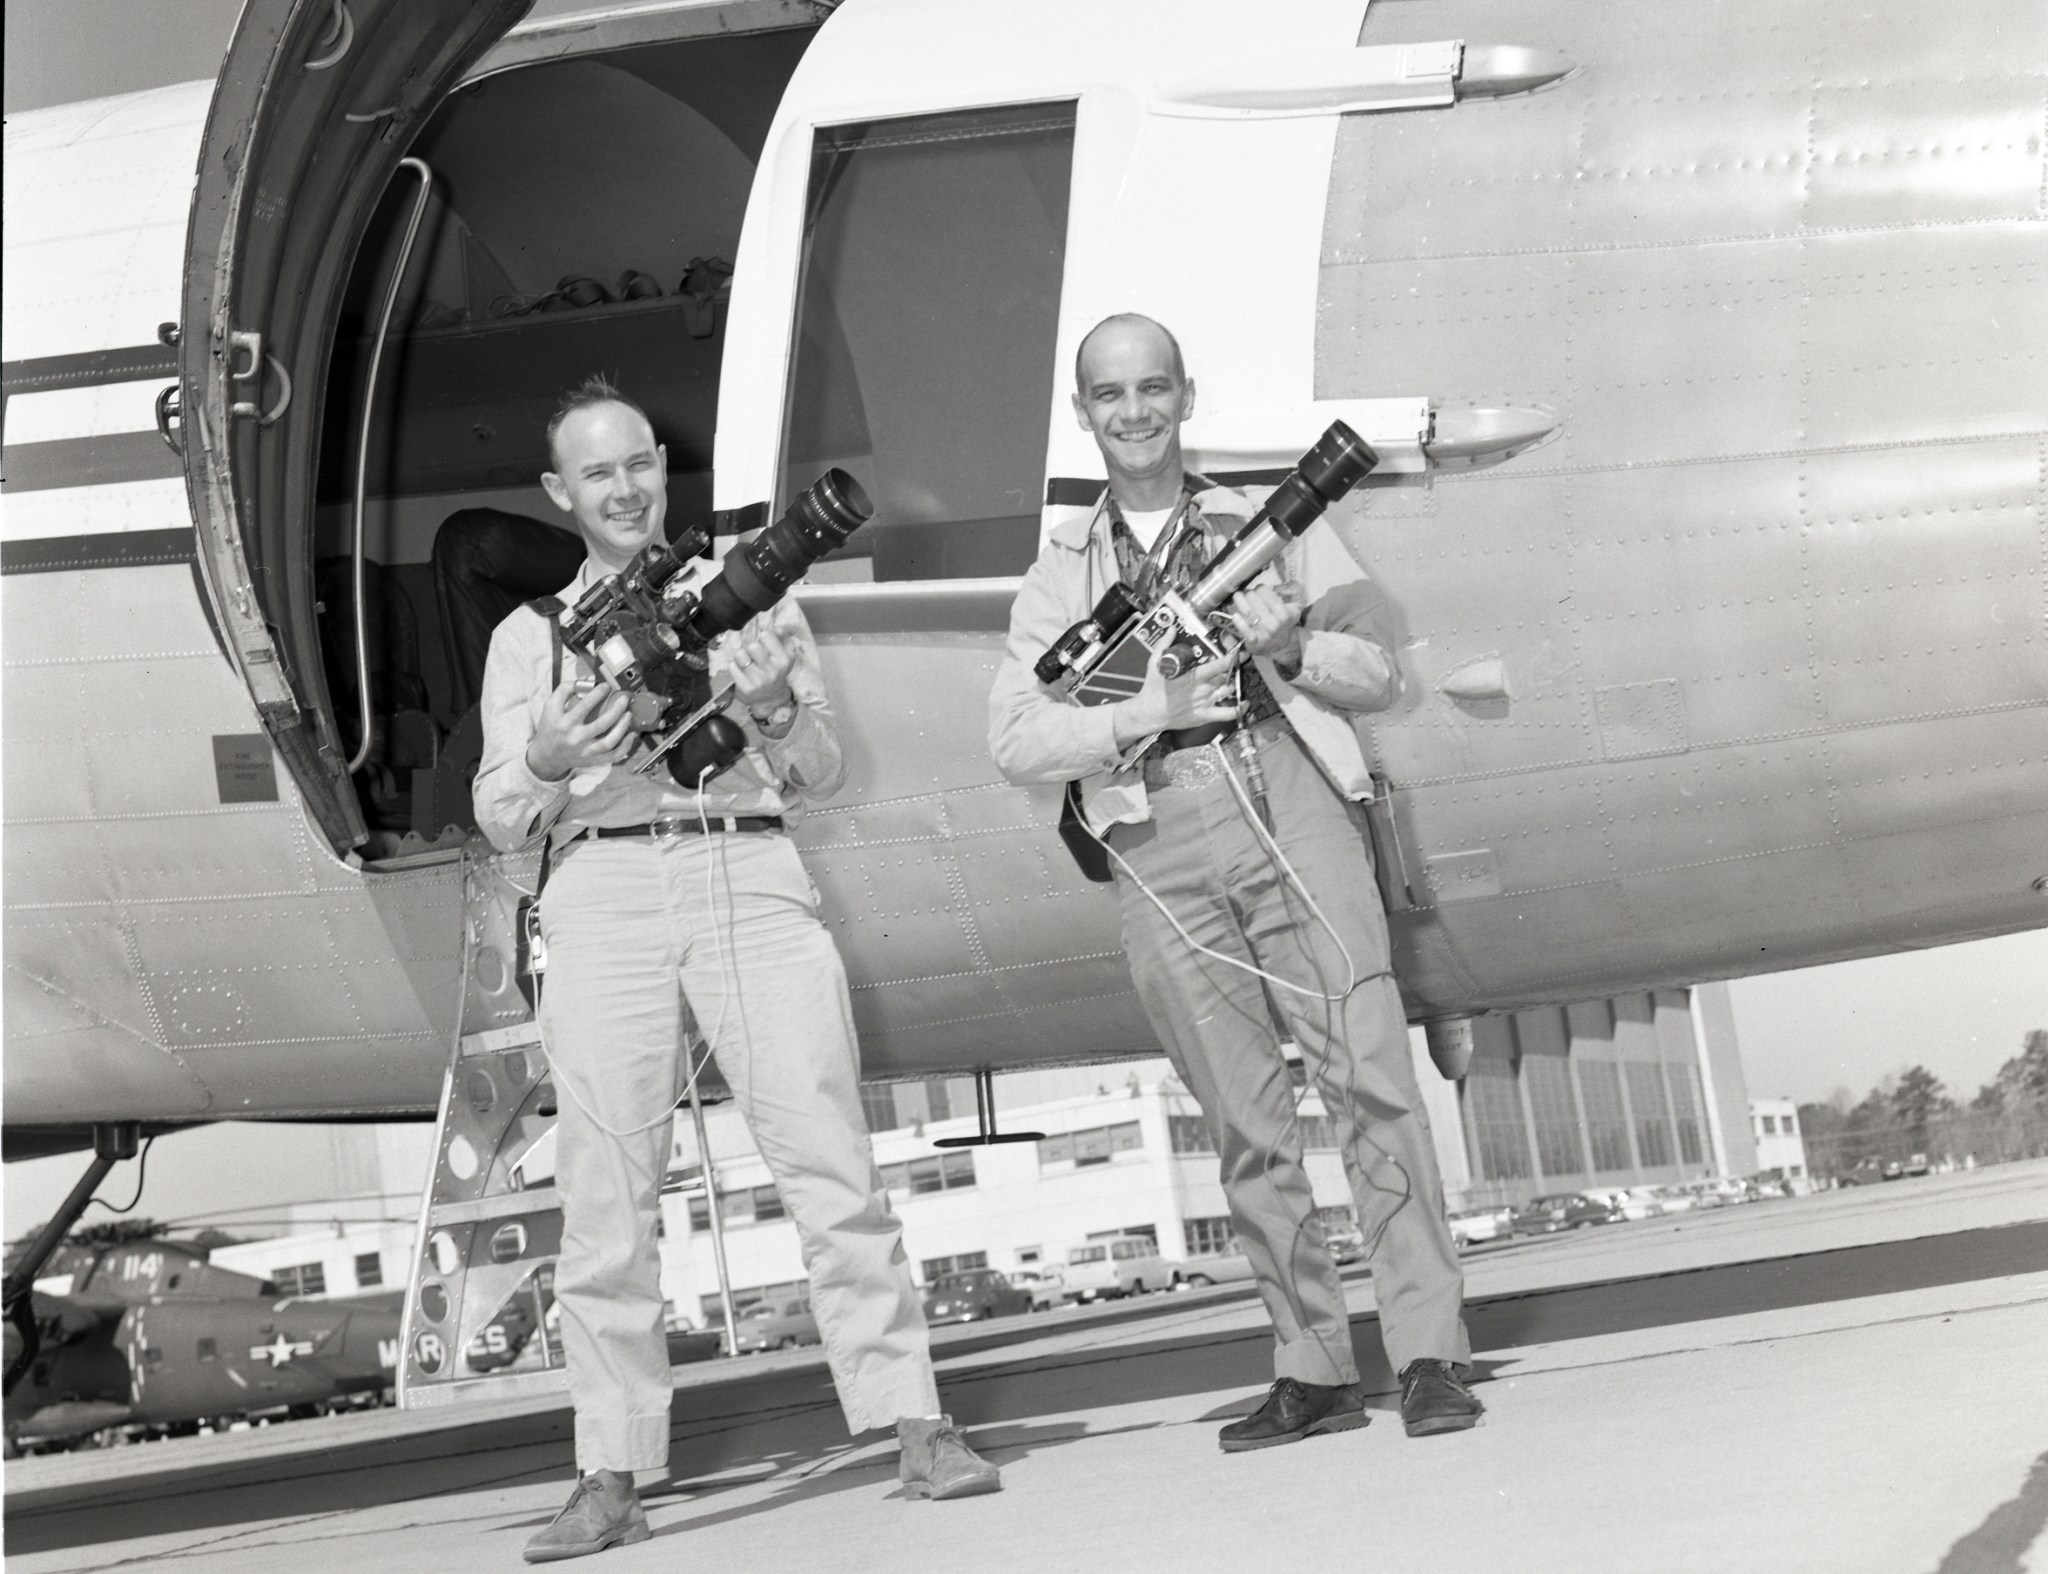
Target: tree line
1913, 1113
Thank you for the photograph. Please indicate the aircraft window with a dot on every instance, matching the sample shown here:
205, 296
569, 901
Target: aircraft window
927, 311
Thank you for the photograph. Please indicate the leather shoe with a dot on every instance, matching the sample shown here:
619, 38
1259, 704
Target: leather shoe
1293, 1411
937, 1463
1434, 1398
603, 1511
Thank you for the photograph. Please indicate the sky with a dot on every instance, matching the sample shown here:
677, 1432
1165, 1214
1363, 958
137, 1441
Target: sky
1961, 1011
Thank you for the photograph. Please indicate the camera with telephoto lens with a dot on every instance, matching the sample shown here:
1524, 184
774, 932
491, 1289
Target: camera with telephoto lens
650, 636
1108, 654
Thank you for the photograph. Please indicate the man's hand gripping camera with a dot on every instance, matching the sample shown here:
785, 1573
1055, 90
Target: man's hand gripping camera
647, 634
1106, 657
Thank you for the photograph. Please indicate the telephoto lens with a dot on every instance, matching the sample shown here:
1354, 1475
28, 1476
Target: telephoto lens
757, 575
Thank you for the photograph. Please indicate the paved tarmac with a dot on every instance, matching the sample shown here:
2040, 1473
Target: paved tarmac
1854, 1382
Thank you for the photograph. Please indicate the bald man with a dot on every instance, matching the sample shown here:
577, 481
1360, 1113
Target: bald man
1225, 919
662, 896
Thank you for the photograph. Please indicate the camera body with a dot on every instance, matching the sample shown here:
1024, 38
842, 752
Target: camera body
650, 636
1107, 656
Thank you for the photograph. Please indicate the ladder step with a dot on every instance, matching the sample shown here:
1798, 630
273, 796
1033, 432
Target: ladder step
520, 1035
507, 1205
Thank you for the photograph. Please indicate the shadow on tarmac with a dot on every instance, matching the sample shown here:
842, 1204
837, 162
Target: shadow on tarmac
738, 1432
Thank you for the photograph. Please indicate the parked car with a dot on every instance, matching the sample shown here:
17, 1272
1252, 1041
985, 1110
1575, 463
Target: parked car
1224, 1267
1115, 1265
1868, 1171
1564, 1211
694, 1344
1470, 1226
1717, 1193
972, 1294
1917, 1165
1346, 1246
775, 1325
1672, 1199
1043, 1283
1630, 1204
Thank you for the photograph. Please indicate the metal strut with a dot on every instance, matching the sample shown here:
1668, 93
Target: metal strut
112, 1141
985, 1118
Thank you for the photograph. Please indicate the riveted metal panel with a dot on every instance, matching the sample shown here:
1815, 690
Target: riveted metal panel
1932, 579
917, 690
1460, 326
1931, 149
84, 1026
1960, 350
1957, 770
56, 864
1902, 879
1732, 803
197, 859
1660, 359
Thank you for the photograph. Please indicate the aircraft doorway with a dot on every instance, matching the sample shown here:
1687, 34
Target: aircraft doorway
584, 216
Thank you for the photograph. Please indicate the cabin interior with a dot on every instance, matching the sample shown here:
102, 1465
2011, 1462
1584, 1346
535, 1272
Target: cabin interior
584, 217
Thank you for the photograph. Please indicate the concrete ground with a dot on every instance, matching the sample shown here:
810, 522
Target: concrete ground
1854, 1382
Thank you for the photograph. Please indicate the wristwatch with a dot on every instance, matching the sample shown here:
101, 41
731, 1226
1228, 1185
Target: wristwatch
776, 722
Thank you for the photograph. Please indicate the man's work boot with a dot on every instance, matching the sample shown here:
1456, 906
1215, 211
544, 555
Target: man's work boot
603, 1511
1435, 1399
1293, 1411
937, 1463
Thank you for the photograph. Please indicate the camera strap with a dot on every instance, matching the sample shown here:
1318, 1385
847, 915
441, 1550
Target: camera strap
549, 609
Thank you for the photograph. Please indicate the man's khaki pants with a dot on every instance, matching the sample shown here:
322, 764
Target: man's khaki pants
1202, 859
729, 922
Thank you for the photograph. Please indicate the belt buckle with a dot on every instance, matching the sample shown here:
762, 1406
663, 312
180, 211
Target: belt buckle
667, 827
1196, 767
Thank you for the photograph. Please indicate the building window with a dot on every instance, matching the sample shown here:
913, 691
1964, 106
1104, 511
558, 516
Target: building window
936, 1268
1027, 1255
1149, 1231
1606, 1116
1338, 1218
1208, 1235
1769, 1124
878, 1104
1495, 1110
767, 1204
942, 1172
1188, 1133
714, 1310
1096, 1145
303, 1279
1653, 1125
1685, 1106
207, 1350
1548, 1081
1317, 1132
369, 1271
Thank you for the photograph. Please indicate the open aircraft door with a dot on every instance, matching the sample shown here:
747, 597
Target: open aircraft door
313, 111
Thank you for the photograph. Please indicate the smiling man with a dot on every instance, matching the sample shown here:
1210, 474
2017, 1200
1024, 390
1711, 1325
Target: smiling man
1250, 912
662, 898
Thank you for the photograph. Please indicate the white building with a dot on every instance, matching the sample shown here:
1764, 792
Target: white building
1126, 1152
1779, 1145
344, 1258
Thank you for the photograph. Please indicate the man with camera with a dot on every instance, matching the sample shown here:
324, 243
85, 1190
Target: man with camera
667, 906
1247, 886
